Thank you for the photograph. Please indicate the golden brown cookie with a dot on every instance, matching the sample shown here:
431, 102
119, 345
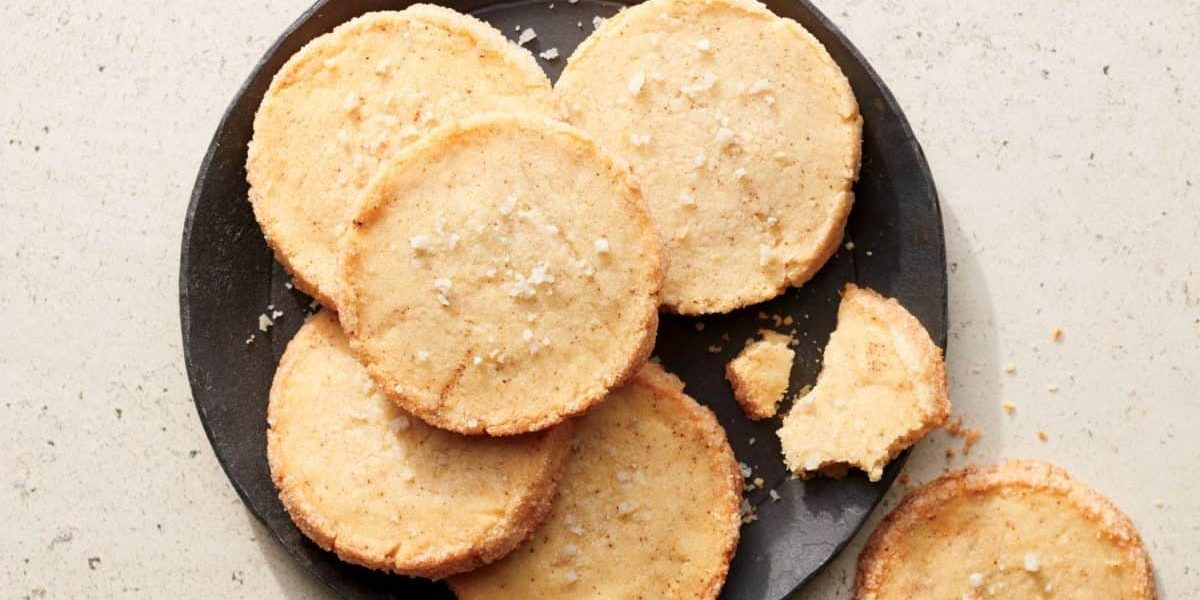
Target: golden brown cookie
648, 507
740, 128
349, 100
1021, 529
501, 276
760, 374
882, 387
380, 488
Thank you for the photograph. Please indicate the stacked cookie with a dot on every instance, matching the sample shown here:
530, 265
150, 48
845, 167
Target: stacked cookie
491, 279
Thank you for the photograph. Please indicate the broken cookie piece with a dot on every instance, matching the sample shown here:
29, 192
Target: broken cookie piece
882, 388
759, 375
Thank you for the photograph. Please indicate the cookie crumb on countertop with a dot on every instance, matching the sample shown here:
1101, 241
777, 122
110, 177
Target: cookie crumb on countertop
970, 436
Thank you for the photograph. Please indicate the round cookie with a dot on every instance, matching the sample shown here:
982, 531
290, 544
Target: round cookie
648, 507
1021, 529
741, 130
501, 276
362, 478
352, 97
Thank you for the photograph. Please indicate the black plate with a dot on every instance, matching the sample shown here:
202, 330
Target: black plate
228, 278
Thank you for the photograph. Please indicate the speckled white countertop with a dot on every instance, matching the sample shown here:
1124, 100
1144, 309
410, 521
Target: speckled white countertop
1062, 136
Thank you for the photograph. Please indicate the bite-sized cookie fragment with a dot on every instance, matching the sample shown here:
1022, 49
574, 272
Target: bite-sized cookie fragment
501, 276
364, 479
740, 128
648, 507
760, 373
352, 97
1021, 529
882, 387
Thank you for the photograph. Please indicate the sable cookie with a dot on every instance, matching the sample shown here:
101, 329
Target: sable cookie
741, 130
382, 489
501, 276
760, 374
350, 99
882, 387
648, 507
1022, 529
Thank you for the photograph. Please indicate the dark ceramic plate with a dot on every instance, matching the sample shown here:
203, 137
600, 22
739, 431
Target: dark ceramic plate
228, 278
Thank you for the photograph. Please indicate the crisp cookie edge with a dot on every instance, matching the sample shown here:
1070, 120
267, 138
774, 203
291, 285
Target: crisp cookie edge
890, 311
796, 272
666, 387
529, 512
924, 502
449, 20
425, 406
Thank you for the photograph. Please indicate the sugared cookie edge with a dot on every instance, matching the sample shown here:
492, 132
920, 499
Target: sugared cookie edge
502, 539
923, 503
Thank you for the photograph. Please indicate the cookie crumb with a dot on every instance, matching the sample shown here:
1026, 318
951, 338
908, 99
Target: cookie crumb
1009, 408
526, 36
1056, 334
549, 53
970, 436
1010, 368
760, 373
1042, 435
748, 514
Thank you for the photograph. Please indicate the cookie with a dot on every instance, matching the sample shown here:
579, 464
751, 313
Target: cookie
501, 276
350, 99
882, 387
648, 507
1022, 529
741, 130
760, 373
383, 490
